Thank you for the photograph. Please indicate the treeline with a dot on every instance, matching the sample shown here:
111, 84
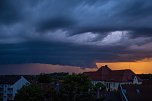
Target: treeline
145, 76
61, 87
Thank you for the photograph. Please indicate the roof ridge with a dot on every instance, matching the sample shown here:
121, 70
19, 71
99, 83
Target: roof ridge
122, 70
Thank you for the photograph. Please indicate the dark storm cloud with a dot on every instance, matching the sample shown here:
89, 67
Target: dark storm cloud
143, 32
74, 32
8, 12
64, 54
54, 23
138, 9
80, 15
54, 53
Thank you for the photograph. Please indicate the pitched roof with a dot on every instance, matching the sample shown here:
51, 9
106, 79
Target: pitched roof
9, 79
106, 74
93, 75
122, 75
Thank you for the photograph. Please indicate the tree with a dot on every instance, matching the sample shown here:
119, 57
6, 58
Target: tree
44, 78
75, 84
30, 93
99, 87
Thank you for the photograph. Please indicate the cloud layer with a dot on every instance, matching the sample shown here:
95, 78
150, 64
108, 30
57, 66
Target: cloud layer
75, 32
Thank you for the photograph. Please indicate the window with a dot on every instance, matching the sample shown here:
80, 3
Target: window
9, 88
138, 91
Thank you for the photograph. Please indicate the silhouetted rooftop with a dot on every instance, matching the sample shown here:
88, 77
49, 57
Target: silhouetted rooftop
106, 74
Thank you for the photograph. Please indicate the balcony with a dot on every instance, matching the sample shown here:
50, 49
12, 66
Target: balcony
10, 96
9, 91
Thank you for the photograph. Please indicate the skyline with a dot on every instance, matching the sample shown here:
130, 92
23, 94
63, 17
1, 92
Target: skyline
37, 68
76, 33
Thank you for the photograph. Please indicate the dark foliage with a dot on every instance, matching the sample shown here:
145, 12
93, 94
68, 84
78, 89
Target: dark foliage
44, 78
30, 93
145, 76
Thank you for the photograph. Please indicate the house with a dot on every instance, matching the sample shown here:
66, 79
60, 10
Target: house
113, 78
9, 85
136, 92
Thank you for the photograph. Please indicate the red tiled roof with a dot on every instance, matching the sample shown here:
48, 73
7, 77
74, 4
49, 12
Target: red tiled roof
93, 75
106, 74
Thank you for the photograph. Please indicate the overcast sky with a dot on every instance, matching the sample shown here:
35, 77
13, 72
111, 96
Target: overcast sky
75, 32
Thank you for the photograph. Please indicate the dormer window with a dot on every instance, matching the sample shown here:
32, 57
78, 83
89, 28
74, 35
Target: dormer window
135, 80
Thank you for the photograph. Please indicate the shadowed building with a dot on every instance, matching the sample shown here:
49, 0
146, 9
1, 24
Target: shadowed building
9, 85
137, 92
113, 78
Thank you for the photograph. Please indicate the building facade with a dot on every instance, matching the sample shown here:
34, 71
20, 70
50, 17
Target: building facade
9, 85
113, 78
136, 92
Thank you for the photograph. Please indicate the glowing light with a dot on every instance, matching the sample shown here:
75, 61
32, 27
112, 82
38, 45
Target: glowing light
138, 67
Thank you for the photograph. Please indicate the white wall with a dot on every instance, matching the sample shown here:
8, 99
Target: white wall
19, 84
114, 86
16, 86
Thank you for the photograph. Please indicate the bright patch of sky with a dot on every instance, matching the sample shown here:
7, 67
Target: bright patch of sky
88, 38
114, 37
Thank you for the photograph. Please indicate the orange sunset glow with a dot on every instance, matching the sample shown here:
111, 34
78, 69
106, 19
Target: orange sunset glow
138, 67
